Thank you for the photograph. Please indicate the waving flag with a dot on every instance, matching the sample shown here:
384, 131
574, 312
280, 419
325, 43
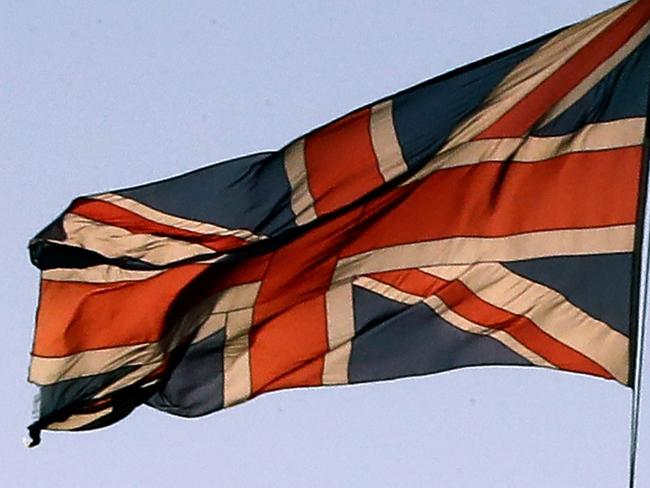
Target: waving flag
487, 216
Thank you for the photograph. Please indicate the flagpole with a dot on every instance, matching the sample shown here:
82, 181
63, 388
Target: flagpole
642, 317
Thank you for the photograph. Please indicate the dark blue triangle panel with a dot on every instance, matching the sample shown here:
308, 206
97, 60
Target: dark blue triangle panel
395, 340
607, 101
195, 386
251, 193
601, 285
425, 115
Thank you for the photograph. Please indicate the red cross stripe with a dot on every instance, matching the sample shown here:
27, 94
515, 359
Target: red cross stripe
341, 162
289, 337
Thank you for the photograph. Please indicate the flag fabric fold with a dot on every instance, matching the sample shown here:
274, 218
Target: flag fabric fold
489, 216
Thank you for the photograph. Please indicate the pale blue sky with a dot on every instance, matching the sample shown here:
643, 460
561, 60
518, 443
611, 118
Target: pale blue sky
99, 95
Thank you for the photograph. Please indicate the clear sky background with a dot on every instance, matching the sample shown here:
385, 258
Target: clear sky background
100, 95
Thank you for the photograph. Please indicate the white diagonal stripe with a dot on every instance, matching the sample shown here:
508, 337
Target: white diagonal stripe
533, 71
172, 220
458, 321
548, 309
115, 242
597, 75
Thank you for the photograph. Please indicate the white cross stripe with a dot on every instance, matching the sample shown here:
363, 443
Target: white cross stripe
384, 141
340, 331
302, 201
468, 250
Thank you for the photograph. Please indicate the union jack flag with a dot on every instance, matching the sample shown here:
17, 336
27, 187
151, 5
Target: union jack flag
488, 216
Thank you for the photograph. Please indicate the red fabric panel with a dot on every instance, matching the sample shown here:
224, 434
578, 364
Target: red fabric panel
341, 162
74, 317
289, 336
579, 190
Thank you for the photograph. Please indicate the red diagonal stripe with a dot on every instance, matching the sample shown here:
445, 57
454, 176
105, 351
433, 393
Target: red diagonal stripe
461, 300
110, 214
518, 120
